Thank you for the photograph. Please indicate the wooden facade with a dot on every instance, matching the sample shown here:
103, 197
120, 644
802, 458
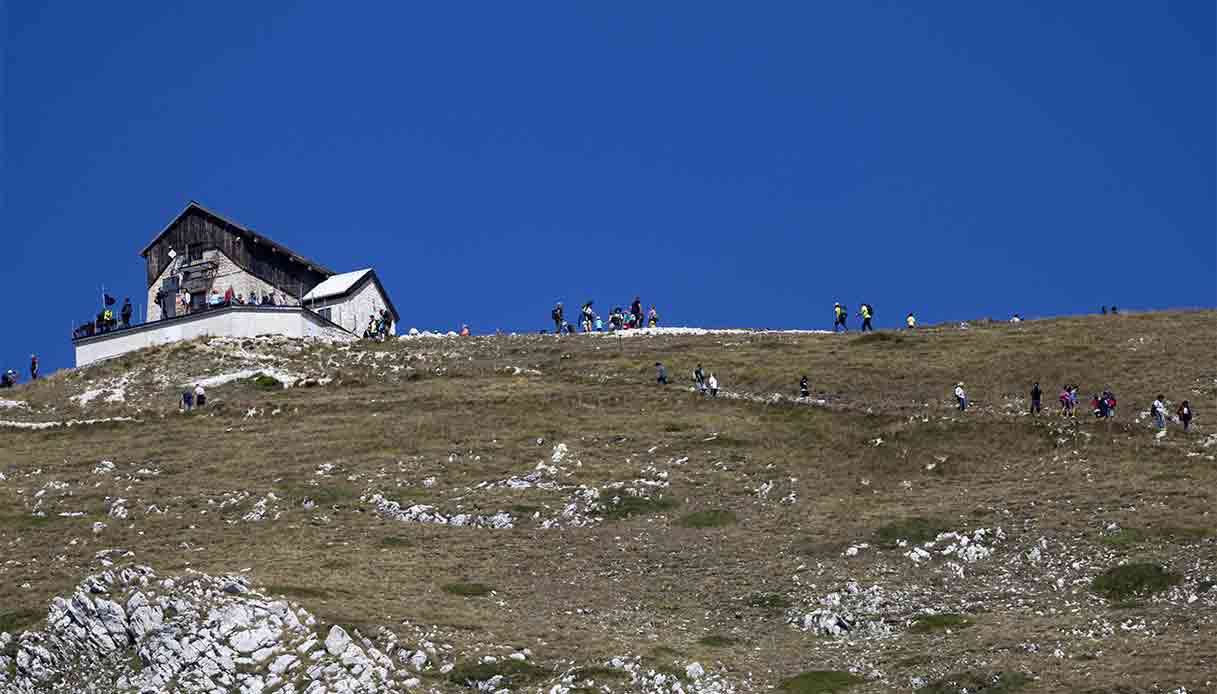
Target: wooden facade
197, 230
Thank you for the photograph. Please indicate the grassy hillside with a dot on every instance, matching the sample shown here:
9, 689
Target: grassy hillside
761, 536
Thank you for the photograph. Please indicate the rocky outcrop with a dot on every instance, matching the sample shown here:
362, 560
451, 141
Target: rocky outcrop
128, 631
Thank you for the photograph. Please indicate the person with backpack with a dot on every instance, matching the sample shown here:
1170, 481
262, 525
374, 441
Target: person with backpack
1184, 413
911, 321
125, 313
661, 374
1036, 395
187, 403
840, 313
699, 377
33, 367
712, 382
866, 312
588, 317
804, 388
556, 314
1109, 402
636, 312
1158, 410
961, 397
200, 395
652, 317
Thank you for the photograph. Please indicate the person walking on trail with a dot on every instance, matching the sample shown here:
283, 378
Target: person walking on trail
961, 397
866, 312
911, 321
33, 367
652, 317
839, 313
1036, 397
125, 313
1109, 402
636, 312
1158, 410
661, 374
187, 400
1184, 413
713, 383
556, 314
804, 388
699, 377
200, 395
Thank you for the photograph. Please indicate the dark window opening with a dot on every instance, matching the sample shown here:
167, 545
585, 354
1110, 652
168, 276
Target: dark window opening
325, 313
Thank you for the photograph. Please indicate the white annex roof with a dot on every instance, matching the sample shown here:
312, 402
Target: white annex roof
336, 285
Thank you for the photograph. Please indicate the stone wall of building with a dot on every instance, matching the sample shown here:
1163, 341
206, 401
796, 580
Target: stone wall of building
228, 274
354, 310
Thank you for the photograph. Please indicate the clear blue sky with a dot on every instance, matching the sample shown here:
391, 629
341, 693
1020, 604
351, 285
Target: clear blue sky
738, 164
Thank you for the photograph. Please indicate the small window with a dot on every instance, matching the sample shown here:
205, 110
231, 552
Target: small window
325, 313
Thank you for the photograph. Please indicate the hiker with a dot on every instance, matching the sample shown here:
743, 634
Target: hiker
911, 321
588, 317
839, 315
556, 314
1064, 398
699, 377
33, 367
1036, 395
866, 312
599, 325
1114, 310
1184, 413
804, 388
1073, 399
9, 379
126, 312
713, 383
661, 374
961, 396
1104, 309
200, 395
1109, 402
187, 400
1098, 407
1016, 319
1158, 410
465, 330
636, 312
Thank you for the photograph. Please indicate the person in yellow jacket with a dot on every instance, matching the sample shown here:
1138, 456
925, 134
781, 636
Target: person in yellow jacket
866, 312
911, 321
839, 314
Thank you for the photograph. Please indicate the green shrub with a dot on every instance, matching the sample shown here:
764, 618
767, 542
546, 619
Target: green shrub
820, 682
915, 530
516, 673
769, 601
717, 641
267, 382
925, 624
708, 519
468, 590
1139, 579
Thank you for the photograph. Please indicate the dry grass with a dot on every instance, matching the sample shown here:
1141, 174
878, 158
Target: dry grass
705, 555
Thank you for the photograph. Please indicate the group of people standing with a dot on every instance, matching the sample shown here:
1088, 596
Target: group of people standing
193, 397
618, 318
